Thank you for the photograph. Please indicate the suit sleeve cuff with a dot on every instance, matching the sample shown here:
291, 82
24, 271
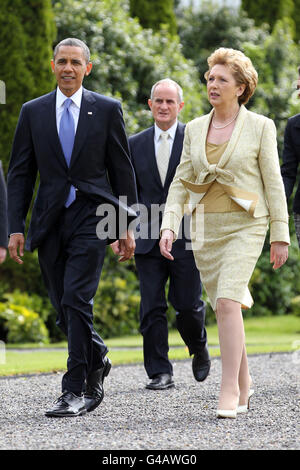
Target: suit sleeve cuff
279, 232
171, 222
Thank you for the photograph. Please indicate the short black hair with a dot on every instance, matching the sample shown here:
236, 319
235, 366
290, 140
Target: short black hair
73, 42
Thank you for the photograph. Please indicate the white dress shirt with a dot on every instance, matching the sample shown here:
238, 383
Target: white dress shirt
171, 131
74, 107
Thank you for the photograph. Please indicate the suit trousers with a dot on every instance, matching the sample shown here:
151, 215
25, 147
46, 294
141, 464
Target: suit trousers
297, 226
184, 294
71, 260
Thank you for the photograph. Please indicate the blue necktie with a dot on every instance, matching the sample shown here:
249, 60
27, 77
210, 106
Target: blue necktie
67, 135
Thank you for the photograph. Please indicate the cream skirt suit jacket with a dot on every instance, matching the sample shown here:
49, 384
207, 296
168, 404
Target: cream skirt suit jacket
226, 245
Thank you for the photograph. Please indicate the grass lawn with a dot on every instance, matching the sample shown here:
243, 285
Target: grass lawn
263, 335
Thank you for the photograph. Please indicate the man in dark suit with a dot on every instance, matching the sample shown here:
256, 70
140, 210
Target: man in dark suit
75, 139
291, 161
3, 217
155, 163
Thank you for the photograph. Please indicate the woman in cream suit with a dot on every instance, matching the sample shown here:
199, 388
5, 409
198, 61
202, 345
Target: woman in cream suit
229, 180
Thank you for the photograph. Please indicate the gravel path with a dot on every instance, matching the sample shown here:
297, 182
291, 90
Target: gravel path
133, 418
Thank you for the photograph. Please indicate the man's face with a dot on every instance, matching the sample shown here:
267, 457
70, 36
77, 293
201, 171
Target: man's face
165, 105
70, 68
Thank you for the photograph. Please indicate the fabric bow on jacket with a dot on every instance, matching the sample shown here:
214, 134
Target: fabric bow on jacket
215, 171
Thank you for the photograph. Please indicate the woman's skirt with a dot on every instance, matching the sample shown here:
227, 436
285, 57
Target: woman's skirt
226, 249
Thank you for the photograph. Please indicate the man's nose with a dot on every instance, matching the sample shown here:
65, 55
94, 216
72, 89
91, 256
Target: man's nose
68, 66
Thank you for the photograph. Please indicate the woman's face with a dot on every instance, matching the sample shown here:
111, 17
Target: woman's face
222, 89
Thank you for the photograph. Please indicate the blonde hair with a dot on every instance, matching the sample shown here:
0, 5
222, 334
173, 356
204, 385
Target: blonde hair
240, 66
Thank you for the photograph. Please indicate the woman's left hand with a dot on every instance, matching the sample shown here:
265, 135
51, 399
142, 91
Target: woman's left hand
279, 254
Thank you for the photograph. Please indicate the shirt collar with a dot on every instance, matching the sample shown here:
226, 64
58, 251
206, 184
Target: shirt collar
171, 131
61, 98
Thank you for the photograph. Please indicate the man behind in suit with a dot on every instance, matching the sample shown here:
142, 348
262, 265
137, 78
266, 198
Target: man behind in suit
76, 140
155, 162
291, 162
3, 217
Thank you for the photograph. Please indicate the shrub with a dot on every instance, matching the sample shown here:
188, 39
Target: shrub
117, 300
295, 305
22, 324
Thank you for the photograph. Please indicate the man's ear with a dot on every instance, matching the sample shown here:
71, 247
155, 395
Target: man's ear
88, 68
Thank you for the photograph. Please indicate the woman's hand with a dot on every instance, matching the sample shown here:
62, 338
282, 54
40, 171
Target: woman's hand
165, 243
279, 254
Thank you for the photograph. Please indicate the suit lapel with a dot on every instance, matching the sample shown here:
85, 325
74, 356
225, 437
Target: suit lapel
49, 119
176, 153
151, 156
86, 117
233, 139
203, 136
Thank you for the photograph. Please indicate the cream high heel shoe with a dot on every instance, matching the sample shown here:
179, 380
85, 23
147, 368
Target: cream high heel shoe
227, 413
245, 408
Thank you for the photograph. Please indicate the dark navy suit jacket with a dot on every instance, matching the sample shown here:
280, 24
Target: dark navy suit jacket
3, 211
100, 165
152, 192
291, 159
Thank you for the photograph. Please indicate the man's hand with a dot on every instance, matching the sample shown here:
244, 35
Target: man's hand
16, 247
124, 247
115, 247
166, 243
2, 254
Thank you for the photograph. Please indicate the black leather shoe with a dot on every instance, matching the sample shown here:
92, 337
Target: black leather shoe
161, 382
68, 404
94, 392
201, 364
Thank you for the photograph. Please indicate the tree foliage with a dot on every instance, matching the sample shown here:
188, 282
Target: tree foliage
274, 55
205, 29
27, 31
296, 19
264, 11
127, 59
155, 14
275, 61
